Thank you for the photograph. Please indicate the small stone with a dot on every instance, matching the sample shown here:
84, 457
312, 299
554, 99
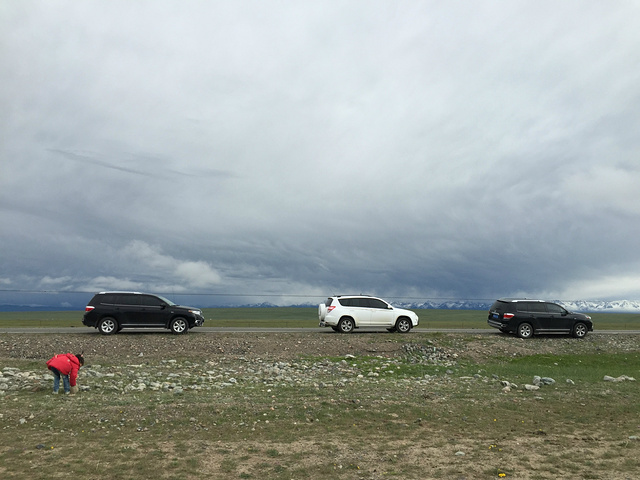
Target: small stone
460, 454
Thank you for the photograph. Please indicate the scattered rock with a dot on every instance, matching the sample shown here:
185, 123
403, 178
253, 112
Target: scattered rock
621, 378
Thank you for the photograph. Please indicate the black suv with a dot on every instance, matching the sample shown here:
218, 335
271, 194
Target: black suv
526, 317
109, 312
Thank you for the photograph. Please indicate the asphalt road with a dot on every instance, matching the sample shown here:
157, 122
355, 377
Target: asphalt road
93, 331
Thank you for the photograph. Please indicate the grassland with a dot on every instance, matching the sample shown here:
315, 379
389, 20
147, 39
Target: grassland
292, 317
320, 406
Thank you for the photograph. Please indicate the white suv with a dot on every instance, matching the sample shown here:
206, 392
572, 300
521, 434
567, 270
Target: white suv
345, 313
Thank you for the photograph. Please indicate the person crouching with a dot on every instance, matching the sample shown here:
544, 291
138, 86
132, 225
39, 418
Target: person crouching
65, 365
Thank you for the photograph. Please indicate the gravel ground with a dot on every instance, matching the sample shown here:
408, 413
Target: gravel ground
286, 346
196, 363
298, 358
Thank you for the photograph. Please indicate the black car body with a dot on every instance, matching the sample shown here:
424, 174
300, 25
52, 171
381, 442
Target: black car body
526, 317
109, 312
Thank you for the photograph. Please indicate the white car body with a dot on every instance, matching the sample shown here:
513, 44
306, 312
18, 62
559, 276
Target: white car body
345, 313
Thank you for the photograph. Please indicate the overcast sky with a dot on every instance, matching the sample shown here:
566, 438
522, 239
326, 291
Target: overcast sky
428, 149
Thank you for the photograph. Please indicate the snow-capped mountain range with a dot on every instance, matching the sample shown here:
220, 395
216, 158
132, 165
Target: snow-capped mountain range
622, 306
614, 306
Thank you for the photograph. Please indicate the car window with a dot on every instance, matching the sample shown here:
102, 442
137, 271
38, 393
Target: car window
355, 302
129, 299
120, 300
538, 307
151, 301
499, 306
553, 308
375, 303
531, 307
368, 302
107, 299
329, 302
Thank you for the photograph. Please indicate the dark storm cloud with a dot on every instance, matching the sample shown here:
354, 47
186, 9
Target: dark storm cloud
418, 149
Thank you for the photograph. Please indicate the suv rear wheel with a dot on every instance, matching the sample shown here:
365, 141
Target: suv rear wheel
346, 325
525, 330
108, 326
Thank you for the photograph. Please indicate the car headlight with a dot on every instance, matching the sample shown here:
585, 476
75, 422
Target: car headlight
196, 312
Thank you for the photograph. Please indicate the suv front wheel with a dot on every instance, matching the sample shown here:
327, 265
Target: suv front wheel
580, 330
346, 325
403, 325
179, 325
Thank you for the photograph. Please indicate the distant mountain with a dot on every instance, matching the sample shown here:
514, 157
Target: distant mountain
446, 305
614, 306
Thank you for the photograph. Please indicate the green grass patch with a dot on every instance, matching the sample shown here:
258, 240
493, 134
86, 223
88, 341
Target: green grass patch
583, 368
292, 317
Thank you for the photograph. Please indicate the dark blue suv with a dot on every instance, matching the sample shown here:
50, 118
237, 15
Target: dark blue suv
109, 312
525, 317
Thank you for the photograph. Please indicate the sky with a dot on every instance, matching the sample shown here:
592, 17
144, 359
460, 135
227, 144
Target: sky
286, 151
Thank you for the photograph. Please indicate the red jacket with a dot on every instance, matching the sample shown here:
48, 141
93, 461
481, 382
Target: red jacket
66, 364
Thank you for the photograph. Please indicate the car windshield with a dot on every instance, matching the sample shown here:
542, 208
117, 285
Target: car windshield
171, 304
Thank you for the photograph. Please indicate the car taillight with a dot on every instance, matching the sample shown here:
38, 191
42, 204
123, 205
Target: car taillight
330, 308
88, 308
508, 316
